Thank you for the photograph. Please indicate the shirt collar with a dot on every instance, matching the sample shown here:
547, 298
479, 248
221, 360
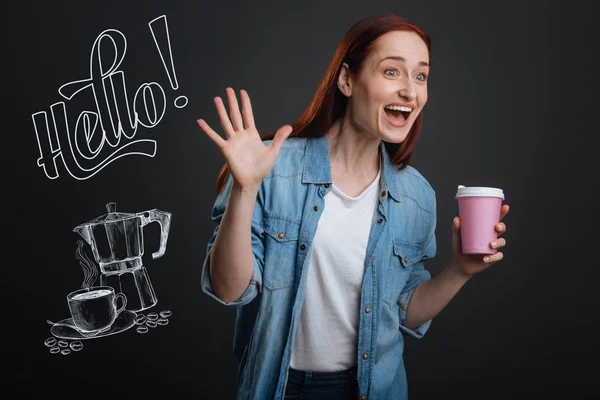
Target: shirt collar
317, 168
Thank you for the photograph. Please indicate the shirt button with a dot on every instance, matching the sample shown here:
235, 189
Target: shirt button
363, 397
281, 235
367, 310
380, 220
316, 208
327, 185
406, 259
302, 247
365, 356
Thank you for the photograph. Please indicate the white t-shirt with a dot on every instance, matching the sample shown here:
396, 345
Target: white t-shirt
327, 334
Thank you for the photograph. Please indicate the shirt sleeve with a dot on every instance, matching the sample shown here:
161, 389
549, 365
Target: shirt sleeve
257, 232
418, 275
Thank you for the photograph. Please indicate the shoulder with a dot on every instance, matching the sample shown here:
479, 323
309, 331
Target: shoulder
418, 177
290, 158
411, 183
291, 143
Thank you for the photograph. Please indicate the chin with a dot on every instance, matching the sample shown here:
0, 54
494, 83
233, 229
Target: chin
396, 135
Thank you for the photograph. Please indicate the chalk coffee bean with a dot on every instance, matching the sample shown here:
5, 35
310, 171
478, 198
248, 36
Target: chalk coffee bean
152, 316
140, 319
55, 350
64, 352
162, 321
165, 313
142, 329
151, 324
76, 345
50, 342
63, 343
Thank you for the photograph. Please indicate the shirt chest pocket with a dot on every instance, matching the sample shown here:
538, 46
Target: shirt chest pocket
404, 256
281, 247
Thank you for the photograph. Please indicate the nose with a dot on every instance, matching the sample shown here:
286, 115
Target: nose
407, 90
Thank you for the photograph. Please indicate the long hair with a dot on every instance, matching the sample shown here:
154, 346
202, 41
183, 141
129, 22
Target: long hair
329, 103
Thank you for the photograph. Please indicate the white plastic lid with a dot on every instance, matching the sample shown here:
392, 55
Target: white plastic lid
464, 191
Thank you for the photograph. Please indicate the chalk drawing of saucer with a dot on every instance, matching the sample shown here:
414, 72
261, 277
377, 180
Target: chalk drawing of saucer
66, 329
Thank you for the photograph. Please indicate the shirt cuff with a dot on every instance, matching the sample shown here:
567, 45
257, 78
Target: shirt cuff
249, 294
420, 330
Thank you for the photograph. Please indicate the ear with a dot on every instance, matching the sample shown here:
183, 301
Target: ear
345, 80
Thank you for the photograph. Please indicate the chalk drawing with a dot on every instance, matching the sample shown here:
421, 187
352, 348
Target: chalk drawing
117, 302
115, 119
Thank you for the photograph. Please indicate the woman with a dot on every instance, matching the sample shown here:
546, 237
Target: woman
324, 227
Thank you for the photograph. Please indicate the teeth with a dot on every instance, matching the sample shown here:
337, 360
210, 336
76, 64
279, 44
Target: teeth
399, 108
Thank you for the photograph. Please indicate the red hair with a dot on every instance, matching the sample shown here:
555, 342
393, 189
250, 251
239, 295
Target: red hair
329, 103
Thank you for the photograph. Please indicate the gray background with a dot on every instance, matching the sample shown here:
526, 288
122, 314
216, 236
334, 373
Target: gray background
512, 96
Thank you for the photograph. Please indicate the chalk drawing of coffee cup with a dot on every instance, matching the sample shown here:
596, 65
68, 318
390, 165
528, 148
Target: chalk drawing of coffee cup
95, 309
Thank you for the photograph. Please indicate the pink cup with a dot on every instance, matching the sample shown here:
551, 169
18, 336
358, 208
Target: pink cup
479, 212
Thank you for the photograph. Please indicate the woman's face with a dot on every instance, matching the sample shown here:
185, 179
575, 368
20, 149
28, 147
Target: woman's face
391, 89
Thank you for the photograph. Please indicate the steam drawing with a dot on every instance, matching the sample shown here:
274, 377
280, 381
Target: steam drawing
116, 240
90, 272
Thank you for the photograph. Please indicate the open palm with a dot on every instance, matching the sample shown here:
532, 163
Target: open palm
248, 158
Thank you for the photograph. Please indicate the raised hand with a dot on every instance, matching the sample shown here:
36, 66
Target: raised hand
248, 159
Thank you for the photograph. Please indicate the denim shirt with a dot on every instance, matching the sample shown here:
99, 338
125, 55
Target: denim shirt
287, 210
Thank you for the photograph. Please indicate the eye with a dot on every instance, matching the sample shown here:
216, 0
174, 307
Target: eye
424, 77
393, 70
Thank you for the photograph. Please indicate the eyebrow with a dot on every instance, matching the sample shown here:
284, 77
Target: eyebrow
399, 58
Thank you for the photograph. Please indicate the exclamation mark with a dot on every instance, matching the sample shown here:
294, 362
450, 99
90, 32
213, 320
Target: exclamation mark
158, 28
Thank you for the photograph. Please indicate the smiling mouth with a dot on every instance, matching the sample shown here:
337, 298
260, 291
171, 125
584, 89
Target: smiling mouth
397, 116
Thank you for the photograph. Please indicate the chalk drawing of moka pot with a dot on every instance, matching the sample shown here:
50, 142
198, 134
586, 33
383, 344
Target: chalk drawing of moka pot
117, 242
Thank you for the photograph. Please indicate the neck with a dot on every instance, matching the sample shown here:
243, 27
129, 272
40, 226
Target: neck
352, 151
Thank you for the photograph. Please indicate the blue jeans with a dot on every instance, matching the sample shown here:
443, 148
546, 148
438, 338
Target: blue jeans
307, 385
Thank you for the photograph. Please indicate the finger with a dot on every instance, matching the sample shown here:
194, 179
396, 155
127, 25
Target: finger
503, 211
211, 133
234, 110
456, 238
496, 244
493, 257
501, 227
247, 109
280, 137
225, 123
